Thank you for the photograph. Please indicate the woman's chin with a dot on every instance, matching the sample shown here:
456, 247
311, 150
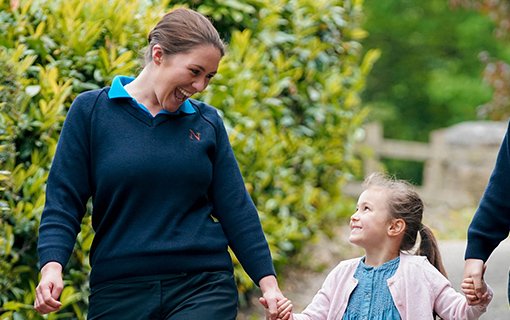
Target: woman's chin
172, 106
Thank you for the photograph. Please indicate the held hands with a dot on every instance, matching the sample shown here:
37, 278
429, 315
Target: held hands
468, 288
49, 288
284, 309
271, 295
473, 286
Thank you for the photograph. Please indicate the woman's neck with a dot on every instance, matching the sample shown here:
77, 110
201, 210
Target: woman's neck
140, 90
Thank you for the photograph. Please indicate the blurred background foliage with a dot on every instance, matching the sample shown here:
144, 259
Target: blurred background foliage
496, 71
289, 91
442, 62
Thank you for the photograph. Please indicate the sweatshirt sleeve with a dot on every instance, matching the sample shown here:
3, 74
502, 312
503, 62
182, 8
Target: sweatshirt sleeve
491, 222
68, 186
236, 211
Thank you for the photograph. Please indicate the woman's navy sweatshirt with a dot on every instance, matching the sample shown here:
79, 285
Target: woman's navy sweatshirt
167, 193
491, 223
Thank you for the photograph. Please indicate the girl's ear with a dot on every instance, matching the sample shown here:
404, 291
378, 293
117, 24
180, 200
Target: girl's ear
396, 227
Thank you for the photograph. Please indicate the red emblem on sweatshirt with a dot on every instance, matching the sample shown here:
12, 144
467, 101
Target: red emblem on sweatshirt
194, 135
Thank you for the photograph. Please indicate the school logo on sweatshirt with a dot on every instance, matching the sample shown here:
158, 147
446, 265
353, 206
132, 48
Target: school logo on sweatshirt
194, 135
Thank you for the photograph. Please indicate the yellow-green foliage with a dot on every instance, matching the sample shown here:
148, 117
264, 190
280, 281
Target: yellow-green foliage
288, 89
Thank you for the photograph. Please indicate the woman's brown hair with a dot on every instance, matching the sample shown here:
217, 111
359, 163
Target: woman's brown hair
405, 203
180, 31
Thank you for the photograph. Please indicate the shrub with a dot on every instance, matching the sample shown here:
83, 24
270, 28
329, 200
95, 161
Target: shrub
288, 90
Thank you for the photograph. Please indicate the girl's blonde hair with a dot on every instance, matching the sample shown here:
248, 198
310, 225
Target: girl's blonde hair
405, 203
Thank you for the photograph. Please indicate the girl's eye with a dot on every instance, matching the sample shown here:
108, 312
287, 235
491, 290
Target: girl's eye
210, 76
195, 72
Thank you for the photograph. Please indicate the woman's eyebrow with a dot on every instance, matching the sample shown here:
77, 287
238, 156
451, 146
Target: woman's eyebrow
203, 69
198, 66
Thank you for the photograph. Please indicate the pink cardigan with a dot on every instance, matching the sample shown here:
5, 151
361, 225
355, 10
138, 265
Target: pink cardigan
417, 288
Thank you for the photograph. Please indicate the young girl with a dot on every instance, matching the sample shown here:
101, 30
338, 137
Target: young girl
388, 282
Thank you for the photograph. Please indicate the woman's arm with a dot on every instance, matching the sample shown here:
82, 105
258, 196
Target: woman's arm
491, 222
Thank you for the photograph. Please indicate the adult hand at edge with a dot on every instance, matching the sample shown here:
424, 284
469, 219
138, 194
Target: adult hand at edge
49, 288
271, 294
284, 309
475, 269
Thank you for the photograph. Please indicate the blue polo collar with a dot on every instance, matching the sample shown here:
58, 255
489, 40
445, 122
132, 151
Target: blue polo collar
117, 91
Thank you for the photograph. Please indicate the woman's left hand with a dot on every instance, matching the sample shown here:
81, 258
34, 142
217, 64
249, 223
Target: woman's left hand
271, 294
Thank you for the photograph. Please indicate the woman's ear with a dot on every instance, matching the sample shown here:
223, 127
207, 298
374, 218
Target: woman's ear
396, 227
157, 54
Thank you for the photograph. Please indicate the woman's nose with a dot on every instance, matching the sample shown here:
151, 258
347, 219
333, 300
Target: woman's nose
200, 84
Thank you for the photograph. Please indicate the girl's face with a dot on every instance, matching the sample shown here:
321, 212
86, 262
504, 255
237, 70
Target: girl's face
179, 76
370, 223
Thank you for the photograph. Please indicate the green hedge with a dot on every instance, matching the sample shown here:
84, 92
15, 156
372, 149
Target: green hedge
288, 89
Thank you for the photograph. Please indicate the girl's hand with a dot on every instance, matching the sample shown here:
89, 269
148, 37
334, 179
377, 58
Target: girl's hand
285, 309
474, 295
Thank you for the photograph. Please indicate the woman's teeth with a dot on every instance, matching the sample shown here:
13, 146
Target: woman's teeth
185, 94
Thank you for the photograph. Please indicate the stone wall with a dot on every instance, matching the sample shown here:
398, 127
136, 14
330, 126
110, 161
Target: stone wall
470, 154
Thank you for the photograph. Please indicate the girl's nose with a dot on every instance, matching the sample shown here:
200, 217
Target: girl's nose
354, 216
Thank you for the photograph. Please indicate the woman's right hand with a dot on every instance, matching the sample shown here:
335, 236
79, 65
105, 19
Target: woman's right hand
284, 309
49, 288
475, 269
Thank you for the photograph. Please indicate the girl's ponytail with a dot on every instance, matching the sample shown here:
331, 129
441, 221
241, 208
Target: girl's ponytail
429, 248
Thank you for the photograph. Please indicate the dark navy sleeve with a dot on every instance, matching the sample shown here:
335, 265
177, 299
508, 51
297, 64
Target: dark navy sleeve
236, 211
491, 222
68, 186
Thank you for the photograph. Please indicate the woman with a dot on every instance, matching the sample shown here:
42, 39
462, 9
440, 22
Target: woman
168, 196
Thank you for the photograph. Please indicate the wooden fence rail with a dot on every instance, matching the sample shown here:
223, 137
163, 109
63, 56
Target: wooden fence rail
457, 160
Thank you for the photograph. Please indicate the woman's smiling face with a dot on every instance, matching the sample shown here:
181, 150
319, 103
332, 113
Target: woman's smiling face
179, 76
